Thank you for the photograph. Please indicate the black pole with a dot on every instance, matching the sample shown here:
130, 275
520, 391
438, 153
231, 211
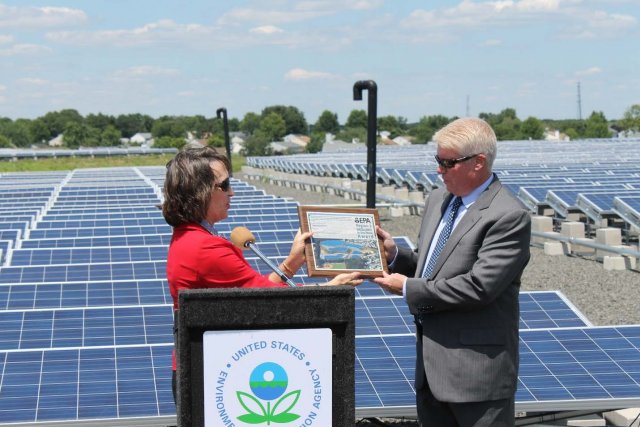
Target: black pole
372, 118
222, 113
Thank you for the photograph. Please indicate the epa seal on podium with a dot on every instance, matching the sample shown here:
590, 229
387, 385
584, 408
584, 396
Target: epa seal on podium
279, 377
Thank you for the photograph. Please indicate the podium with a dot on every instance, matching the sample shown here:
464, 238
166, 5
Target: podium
266, 356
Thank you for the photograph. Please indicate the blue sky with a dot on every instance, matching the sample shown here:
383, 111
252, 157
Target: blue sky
162, 57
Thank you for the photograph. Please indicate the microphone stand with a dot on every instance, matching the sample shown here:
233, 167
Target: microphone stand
251, 245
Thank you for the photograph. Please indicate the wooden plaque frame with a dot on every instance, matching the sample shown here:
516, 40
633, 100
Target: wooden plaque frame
344, 241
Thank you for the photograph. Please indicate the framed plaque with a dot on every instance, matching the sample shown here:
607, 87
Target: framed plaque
344, 240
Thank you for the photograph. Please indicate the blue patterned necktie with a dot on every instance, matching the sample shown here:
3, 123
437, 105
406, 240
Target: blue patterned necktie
444, 235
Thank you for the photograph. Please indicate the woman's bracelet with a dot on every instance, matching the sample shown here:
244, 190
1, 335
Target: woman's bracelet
287, 270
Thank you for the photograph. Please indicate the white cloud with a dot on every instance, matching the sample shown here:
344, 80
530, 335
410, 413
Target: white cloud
33, 81
337, 5
163, 31
269, 16
589, 71
39, 17
146, 71
295, 11
572, 18
599, 24
266, 29
24, 49
6, 39
301, 74
2, 88
364, 4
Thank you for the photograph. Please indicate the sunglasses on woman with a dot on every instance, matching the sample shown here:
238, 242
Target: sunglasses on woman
224, 185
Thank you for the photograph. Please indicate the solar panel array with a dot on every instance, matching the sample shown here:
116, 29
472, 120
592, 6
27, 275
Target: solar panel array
86, 319
536, 171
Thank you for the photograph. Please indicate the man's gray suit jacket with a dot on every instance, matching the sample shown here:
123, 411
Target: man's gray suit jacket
468, 312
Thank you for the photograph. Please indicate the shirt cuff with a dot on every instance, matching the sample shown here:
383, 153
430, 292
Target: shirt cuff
393, 261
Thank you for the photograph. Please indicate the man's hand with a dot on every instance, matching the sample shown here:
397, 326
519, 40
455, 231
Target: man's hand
389, 245
392, 283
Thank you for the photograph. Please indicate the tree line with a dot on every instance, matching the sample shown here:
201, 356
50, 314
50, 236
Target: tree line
274, 122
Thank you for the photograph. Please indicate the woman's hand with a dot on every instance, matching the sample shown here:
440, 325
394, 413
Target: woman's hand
352, 279
296, 256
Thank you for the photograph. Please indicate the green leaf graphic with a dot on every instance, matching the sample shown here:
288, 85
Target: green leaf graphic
252, 418
294, 396
284, 418
241, 395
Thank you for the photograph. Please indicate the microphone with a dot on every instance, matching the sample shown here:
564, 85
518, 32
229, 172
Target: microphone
243, 238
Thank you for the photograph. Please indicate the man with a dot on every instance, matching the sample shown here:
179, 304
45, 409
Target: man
465, 299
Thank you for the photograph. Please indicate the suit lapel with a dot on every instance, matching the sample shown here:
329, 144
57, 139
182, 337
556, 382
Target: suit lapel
470, 218
429, 226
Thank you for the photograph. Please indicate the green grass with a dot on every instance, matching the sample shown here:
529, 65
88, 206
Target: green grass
70, 163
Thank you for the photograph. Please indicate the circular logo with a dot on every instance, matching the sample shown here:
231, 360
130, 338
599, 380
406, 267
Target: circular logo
268, 381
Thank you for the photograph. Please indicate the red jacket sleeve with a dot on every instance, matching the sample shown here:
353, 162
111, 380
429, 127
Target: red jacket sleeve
222, 265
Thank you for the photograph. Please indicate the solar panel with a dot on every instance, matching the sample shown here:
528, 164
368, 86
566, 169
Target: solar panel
36, 257
628, 208
84, 272
87, 384
28, 296
101, 210
600, 205
564, 369
151, 324
16, 225
282, 235
57, 233
85, 327
565, 201
10, 234
149, 212
78, 192
108, 222
81, 304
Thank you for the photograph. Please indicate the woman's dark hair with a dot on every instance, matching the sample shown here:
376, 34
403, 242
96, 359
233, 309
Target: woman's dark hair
188, 185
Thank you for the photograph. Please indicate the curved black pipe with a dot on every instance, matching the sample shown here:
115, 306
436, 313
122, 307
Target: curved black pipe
372, 119
222, 113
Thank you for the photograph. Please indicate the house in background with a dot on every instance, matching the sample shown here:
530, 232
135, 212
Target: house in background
385, 139
291, 144
58, 141
142, 139
237, 140
331, 144
284, 147
300, 140
555, 135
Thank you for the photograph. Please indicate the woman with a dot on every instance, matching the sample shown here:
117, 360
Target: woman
197, 194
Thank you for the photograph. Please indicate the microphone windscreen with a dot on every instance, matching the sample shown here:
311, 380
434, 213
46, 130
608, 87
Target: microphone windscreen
241, 236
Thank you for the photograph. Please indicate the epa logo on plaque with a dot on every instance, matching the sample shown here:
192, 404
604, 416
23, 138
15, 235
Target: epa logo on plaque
267, 377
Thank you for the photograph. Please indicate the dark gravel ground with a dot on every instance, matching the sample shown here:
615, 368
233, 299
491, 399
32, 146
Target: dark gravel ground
604, 297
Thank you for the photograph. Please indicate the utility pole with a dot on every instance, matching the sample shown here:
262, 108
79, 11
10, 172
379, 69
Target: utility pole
579, 103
